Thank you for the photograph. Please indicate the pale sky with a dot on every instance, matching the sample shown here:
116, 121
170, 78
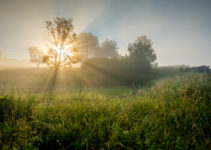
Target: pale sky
180, 29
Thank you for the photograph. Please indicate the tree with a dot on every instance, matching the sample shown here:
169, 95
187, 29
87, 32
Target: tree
142, 49
36, 55
89, 47
108, 49
87, 44
61, 41
140, 60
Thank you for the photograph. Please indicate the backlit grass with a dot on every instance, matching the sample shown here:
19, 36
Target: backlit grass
172, 114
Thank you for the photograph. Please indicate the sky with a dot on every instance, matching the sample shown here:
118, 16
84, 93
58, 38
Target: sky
180, 29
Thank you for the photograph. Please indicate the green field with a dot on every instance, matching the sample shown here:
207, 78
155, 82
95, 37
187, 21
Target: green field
172, 113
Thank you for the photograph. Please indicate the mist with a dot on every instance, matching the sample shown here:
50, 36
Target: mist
13, 63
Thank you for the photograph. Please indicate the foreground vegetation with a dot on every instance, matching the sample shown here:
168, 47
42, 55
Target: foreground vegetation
172, 114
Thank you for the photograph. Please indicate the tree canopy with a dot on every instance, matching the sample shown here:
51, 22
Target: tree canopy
108, 49
142, 49
87, 44
89, 47
60, 43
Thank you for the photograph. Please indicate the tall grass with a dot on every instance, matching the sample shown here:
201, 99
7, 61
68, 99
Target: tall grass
172, 114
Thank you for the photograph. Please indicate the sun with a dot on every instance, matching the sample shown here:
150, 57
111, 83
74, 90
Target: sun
63, 51
62, 55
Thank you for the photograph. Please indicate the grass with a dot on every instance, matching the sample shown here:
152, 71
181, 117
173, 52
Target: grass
172, 114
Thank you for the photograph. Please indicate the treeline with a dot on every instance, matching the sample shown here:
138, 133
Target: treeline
133, 69
102, 65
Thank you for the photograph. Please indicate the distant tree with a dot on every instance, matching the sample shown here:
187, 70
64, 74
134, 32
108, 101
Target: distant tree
108, 49
142, 49
36, 55
87, 45
61, 44
140, 61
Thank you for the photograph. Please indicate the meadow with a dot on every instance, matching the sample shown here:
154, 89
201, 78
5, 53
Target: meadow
172, 113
